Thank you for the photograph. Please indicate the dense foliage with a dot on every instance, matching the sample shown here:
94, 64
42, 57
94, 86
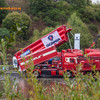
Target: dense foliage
79, 3
3, 12
4, 32
93, 29
37, 34
79, 27
98, 15
21, 18
53, 13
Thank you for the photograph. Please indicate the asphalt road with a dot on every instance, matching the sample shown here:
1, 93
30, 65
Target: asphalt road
45, 79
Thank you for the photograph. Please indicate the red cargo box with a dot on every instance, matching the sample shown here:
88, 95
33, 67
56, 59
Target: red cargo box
56, 37
37, 57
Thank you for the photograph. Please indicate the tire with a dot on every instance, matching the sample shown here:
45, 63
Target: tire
36, 74
68, 73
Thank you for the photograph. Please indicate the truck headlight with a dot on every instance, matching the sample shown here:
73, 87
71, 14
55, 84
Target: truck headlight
15, 63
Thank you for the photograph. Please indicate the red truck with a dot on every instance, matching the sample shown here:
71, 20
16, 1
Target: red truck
43, 54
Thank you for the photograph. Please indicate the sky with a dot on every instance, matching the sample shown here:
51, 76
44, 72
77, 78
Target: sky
95, 1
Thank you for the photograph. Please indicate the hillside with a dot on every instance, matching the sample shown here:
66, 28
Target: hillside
52, 14
24, 4
45, 16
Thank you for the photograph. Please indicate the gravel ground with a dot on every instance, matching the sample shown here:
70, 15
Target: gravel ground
47, 79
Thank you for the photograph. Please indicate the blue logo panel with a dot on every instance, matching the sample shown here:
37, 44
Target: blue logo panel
25, 53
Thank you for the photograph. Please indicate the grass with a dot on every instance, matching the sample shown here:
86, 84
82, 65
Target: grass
81, 87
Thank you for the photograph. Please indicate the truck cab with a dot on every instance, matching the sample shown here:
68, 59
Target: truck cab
69, 61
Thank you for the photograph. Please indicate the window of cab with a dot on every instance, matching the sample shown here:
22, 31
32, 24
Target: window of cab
71, 59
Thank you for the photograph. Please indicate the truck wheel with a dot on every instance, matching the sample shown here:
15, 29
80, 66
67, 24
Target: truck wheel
68, 73
36, 74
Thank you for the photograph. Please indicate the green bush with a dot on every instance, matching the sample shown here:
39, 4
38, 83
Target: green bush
93, 28
98, 41
98, 16
49, 22
4, 32
57, 15
86, 15
86, 20
37, 34
50, 12
77, 4
25, 19
47, 30
35, 18
21, 18
11, 19
3, 12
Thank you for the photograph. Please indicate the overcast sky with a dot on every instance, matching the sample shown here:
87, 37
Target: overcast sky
95, 1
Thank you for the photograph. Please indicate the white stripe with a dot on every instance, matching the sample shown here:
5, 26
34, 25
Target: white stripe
97, 60
27, 61
45, 54
82, 61
22, 63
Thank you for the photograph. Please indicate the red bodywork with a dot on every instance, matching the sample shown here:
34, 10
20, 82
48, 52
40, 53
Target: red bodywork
38, 45
37, 50
38, 54
86, 51
37, 57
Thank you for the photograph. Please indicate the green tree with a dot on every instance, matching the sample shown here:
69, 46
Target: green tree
79, 27
4, 45
37, 34
49, 11
3, 12
79, 3
20, 18
38, 6
87, 14
98, 41
7, 42
93, 29
98, 15
4, 32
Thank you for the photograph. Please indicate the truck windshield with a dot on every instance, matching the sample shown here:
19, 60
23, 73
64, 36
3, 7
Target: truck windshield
56, 58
